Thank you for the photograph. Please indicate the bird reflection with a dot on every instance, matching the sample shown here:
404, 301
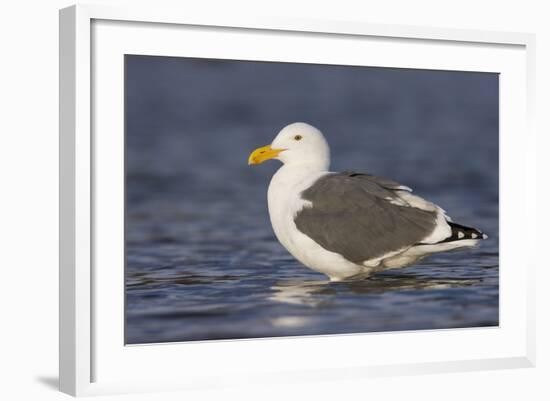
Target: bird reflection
319, 292
301, 292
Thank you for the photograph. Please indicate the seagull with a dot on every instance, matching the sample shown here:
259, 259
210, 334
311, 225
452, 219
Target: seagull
349, 225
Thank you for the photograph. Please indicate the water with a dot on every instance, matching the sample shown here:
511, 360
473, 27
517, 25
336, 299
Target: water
202, 260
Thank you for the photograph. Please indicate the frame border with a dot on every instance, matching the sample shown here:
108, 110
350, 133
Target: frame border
75, 169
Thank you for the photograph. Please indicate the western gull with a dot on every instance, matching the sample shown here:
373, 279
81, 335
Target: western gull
349, 225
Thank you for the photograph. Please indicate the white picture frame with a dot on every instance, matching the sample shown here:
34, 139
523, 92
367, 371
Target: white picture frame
93, 360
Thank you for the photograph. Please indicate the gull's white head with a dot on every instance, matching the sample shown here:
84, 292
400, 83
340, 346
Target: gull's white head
296, 144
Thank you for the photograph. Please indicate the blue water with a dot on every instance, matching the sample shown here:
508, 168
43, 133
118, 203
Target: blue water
202, 261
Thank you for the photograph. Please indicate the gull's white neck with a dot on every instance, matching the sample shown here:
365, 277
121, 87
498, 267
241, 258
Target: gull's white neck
292, 174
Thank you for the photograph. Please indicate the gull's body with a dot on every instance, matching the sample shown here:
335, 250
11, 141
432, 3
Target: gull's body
349, 224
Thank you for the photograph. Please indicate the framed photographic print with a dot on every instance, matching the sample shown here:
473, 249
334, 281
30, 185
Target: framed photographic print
273, 194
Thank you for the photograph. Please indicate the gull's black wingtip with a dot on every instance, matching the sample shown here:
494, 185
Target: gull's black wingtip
460, 232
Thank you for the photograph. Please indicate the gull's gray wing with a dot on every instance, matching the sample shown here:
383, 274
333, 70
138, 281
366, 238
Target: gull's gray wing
362, 217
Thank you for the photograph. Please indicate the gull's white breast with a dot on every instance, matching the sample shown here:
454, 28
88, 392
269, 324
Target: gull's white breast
284, 202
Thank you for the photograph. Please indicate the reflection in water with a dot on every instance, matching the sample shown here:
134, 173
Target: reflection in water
316, 293
301, 292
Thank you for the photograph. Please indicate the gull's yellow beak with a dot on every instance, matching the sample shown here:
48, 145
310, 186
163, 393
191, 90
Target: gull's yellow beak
262, 154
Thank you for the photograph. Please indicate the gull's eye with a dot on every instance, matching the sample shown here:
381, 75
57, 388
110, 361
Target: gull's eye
297, 137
